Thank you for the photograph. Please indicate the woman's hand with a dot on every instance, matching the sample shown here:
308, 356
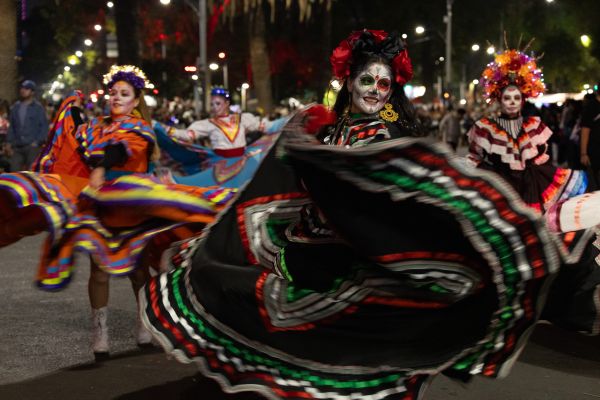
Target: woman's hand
97, 177
585, 160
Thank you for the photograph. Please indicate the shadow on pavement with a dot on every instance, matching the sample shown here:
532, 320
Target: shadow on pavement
189, 388
556, 363
558, 349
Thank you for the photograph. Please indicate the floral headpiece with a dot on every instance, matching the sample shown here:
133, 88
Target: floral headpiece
371, 42
512, 67
128, 73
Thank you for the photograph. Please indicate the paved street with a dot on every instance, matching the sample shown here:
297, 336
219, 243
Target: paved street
44, 351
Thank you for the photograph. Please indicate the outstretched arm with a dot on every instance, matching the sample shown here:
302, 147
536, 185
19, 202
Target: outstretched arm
196, 131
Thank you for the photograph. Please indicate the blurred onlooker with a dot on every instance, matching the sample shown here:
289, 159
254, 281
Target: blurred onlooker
590, 139
556, 143
4, 148
570, 124
28, 128
450, 127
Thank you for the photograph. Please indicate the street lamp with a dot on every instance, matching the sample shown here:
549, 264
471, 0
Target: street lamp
448, 21
586, 41
419, 30
79, 53
490, 50
87, 42
67, 68
223, 56
110, 4
213, 66
245, 87
475, 47
200, 11
98, 27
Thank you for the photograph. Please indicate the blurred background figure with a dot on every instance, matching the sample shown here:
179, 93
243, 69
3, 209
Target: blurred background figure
28, 128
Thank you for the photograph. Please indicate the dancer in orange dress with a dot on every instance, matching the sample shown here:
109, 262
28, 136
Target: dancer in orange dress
91, 191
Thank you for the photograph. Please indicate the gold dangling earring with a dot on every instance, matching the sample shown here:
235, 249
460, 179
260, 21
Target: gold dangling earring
388, 114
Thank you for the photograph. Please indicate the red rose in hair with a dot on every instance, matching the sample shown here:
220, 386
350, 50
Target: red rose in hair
402, 67
340, 59
341, 56
318, 116
378, 35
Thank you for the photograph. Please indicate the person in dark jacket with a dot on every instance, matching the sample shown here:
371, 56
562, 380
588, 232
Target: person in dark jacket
28, 128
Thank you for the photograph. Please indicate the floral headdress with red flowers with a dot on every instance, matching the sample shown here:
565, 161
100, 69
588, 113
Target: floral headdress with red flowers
512, 67
376, 43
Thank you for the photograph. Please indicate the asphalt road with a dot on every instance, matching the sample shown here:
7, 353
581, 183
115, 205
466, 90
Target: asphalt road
44, 351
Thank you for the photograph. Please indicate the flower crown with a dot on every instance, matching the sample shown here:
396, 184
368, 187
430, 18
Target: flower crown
512, 67
128, 73
372, 42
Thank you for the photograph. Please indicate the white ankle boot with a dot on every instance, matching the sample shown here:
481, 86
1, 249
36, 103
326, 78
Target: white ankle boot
142, 335
99, 330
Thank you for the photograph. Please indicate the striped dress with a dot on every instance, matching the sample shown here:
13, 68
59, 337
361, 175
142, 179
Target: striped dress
356, 273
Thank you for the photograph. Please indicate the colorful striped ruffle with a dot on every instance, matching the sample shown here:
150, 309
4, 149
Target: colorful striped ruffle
63, 125
519, 249
567, 183
44, 191
128, 213
117, 253
91, 148
146, 192
516, 255
132, 211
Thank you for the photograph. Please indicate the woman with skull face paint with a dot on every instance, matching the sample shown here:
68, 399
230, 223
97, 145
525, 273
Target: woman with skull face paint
371, 105
516, 148
322, 280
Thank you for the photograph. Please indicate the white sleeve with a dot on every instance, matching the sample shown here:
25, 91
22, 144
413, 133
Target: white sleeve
197, 130
252, 122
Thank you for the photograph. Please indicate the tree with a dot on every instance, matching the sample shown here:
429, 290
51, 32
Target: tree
255, 12
126, 17
8, 49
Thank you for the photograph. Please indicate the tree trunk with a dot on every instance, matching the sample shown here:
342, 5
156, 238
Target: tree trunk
259, 60
326, 48
126, 12
8, 49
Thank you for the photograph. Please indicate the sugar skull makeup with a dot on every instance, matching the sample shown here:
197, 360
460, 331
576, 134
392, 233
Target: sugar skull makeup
511, 101
371, 88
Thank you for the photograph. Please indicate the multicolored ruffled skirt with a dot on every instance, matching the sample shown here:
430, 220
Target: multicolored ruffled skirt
116, 224
357, 273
